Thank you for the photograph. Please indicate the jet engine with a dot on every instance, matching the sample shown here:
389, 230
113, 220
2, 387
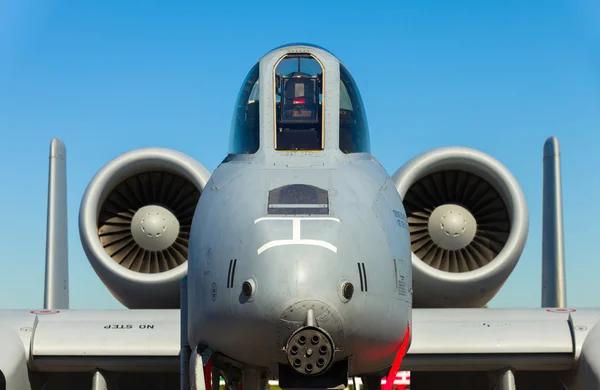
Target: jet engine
134, 223
468, 223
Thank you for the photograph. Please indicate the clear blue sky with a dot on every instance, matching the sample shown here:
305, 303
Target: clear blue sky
112, 76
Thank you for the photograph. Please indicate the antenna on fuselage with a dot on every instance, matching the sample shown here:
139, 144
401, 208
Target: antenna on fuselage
553, 258
56, 287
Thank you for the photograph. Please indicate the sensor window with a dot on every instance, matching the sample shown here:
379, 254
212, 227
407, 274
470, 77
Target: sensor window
298, 199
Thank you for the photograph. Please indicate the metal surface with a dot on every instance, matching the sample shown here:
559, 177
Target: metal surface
109, 333
516, 334
452, 227
582, 322
586, 374
554, 292
185, 350
529, 339
13, 360
129, 364
154, 228
488, 362
23, 322
56, 287
471, 276
504, 380
310, 350
498, 331
140, 278
99, 382
196, 370
299, 260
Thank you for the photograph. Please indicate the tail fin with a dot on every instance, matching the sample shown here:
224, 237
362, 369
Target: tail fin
553, 260
56, 288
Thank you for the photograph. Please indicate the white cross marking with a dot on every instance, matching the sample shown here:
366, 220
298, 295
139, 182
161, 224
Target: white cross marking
296, 236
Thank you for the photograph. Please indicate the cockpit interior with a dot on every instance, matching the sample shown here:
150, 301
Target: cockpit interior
299, 98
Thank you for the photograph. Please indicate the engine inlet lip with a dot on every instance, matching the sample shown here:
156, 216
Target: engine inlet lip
107, 179
499, 177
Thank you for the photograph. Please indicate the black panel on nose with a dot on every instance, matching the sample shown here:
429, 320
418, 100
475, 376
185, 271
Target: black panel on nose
297, 199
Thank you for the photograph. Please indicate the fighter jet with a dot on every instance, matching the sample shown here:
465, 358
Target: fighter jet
299, 259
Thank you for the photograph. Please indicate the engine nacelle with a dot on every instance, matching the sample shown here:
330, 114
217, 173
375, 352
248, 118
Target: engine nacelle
468, 223
134, 224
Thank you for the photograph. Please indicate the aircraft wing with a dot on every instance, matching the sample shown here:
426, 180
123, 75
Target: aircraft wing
70, 341
490, 339
148, 341
443, 339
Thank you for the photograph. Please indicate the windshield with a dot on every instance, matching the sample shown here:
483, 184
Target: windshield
244, 137
298, 96
354, 131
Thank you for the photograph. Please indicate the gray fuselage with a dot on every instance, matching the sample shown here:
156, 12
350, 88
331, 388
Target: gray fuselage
370, 243
278, 232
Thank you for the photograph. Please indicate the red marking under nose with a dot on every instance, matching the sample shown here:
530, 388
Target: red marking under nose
398, 362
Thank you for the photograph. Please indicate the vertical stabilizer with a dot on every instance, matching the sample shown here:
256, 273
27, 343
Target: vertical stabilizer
56, 288
553, 260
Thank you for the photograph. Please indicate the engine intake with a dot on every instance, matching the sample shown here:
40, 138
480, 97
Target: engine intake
468, 223
135, 220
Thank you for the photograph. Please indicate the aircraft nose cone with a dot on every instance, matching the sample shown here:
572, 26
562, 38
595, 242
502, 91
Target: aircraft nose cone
452, 226
154, 228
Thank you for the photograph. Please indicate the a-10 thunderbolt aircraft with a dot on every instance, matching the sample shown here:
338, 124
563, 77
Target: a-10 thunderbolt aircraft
297, 259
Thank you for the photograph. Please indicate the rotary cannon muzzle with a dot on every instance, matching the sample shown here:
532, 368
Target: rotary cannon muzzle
310, 350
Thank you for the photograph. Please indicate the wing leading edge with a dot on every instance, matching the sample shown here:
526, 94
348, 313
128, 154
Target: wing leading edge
489, 339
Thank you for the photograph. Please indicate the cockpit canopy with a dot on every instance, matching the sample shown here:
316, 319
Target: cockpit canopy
354, 130
299, 109
245, 126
